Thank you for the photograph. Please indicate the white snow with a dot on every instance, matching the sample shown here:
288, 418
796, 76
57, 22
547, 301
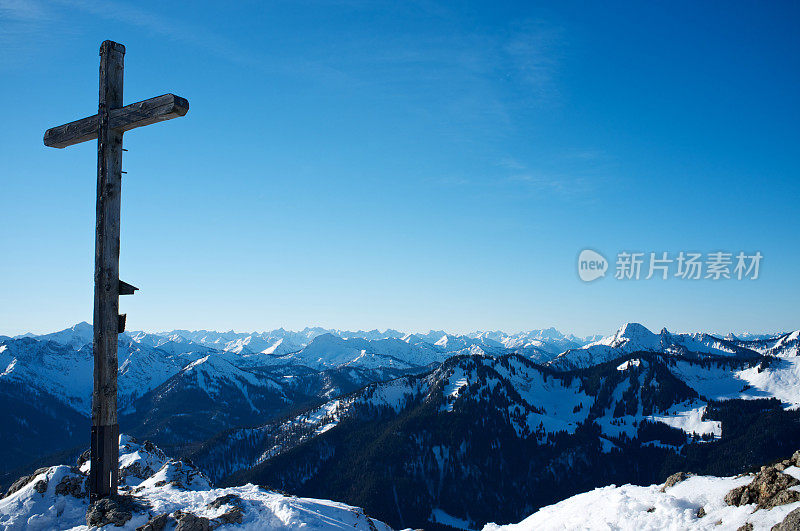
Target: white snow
456, 383
27, 509
635, 508
793, 471
689, 419
716, 382
393, 394
628, 364
324, 417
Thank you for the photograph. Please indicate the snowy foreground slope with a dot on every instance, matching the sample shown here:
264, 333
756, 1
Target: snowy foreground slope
696, 502
161, 493
165, 493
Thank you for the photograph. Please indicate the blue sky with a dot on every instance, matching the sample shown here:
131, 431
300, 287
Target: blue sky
411, 165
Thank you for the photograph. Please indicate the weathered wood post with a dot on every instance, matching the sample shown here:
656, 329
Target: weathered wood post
108, 126
105, 429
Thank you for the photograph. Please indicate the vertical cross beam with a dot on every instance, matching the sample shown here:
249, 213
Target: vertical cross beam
105, 430
107, 126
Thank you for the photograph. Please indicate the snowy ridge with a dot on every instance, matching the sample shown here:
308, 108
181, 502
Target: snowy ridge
633, 337
783, 345
655, 507
394, 395
165, 490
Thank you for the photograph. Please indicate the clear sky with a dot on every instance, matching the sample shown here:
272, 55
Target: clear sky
411, 165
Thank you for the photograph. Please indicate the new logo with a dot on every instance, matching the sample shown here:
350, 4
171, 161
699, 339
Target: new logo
591, 265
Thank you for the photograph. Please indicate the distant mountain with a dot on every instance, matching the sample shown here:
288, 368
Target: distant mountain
783, 345
75, 337
549, 341
206, 396
49, 367
330, 351
633, 337
60, 363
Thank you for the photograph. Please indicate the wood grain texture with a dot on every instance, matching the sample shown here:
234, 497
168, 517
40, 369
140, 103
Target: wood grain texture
139, 114
106, 270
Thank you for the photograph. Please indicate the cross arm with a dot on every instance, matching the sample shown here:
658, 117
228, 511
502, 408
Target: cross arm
123, 119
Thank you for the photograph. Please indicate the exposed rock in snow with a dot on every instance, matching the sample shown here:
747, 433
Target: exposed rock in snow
155, 492
674, 479
761, 501
771, 486
790, 523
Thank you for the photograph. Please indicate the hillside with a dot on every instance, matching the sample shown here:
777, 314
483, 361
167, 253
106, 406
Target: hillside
482, 438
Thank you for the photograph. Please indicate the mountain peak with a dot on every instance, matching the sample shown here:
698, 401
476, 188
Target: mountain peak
550, 333
634, 330
327, 339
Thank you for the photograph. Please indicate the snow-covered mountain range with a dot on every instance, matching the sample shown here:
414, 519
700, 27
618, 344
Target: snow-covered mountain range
327, 413
60, 363
633, 337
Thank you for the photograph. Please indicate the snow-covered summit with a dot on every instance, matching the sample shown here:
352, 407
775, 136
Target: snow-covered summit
164, 492
74, 336
634, 337
684, 501
631, 337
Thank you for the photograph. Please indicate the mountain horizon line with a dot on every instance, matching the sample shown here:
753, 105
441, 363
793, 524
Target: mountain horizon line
552, 332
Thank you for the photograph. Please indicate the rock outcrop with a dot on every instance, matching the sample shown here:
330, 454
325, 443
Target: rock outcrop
770, 487
25, 480
114, 510
674, 479
790, 523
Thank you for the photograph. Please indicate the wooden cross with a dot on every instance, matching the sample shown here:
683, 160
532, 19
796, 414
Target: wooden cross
107, 126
